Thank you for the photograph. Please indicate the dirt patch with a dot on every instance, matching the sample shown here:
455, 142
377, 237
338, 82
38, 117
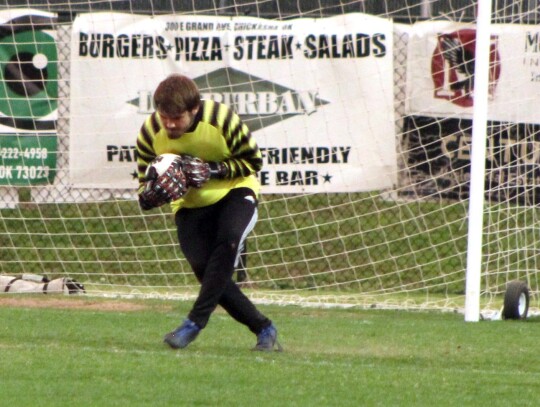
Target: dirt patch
71, 303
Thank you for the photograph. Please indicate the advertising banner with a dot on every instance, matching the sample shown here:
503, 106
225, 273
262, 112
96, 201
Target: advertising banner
28, 97
441, 58
316, 93
27, 160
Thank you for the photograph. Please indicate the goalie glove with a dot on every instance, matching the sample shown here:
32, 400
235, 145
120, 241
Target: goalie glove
172, 184
161, 189
197, 171
150, 199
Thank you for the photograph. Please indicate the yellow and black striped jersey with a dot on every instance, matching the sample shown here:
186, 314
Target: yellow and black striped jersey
217, 134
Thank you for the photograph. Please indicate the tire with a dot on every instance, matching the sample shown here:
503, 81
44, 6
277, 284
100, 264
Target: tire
516, 300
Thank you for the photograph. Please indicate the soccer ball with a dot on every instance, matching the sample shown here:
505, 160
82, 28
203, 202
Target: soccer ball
159, 165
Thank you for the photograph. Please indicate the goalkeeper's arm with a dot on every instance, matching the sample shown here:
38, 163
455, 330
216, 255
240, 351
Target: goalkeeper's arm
245, 158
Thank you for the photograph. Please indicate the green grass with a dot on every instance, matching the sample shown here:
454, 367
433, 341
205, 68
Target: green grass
74, 352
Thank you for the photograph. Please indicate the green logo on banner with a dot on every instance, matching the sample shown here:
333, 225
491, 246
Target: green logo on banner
28, 73
258, 102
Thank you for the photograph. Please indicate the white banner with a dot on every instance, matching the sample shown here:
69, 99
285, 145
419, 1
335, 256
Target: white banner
316, 93
441, 71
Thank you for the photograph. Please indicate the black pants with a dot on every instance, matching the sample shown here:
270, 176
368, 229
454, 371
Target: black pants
211, 239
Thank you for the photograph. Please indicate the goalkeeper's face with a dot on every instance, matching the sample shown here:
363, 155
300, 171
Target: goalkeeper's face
177, 125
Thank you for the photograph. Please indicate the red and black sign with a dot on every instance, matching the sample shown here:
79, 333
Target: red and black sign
453, 63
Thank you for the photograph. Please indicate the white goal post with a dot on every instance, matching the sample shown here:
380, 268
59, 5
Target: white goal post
478, 162
376, 191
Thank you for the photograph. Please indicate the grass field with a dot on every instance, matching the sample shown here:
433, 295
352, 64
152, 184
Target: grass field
93, 352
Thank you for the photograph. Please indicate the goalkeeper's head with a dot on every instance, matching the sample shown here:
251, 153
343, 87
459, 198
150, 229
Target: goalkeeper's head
177, 100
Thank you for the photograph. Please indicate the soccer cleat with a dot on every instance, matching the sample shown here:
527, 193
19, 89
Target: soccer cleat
267, 339
183, 335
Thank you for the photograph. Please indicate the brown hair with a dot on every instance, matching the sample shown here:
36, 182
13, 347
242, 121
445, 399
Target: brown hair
176, 94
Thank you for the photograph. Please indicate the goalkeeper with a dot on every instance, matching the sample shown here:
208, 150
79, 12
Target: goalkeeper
212, 190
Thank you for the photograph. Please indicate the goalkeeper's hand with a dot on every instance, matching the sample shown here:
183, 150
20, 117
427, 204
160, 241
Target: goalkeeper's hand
197, 171
150, 199
159, 190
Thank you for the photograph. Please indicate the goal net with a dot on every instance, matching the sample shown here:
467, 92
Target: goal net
363, 111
